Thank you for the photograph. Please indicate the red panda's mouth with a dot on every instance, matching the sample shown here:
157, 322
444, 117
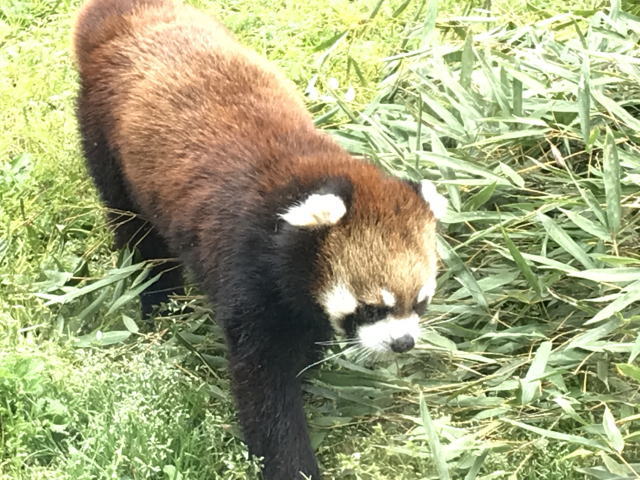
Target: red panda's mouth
391, 334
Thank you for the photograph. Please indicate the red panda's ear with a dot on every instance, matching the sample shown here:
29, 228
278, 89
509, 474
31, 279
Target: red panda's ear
321, 204
316, 210
427, 190
437, 203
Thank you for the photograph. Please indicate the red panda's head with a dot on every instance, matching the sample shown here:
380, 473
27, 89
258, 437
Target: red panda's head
376, 265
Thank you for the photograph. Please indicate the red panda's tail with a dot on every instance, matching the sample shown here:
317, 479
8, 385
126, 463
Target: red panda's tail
101, 20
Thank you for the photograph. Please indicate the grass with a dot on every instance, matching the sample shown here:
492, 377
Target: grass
526, 114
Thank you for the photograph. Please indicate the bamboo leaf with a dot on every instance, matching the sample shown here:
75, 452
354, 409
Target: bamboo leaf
466, 64
396, 13
429, 26
565, 241
480, 198
447, 173
588, 338
584, 100
609, 275
587, 225
591, 201
130, 324
462, 273
631, 295
463, 166
375, 10
102, 339
132, 294
473, 472
628, 370
617, 110
529, 385
111, 277
522, 264
614, 437
515, 135
330, 42
611, 173
563, 437
517, 97
434, 442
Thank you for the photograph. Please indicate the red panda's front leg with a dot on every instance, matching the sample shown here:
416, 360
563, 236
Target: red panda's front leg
270, 407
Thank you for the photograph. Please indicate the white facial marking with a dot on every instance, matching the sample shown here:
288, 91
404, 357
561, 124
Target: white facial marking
338, 302
427, 291
378, 336
316, 210
388, 298
437, 203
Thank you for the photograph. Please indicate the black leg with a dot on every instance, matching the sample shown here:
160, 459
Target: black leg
270, 406
128, 227
152, 246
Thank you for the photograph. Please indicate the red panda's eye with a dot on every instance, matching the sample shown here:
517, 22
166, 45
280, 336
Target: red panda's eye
373, 313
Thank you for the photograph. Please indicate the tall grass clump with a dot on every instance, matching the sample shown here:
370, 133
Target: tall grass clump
529, 368
94, 416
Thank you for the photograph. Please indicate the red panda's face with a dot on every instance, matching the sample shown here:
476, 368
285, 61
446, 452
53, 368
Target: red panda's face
380, 282
377, 264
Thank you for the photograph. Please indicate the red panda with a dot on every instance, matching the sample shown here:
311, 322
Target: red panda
292, 239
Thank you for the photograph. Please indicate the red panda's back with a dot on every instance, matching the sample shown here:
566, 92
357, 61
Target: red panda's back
179, 100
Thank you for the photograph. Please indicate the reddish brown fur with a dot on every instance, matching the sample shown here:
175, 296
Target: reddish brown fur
195, 133
175, 121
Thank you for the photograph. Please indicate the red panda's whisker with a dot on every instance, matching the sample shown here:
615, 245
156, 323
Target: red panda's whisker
323, 360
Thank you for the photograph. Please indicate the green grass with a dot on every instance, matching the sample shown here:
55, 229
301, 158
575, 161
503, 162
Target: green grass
529, 119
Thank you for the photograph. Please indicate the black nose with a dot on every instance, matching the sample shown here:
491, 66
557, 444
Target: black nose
402, 344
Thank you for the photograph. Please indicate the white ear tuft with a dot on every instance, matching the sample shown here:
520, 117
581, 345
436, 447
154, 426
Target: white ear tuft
427, 291
437, 203
316, 211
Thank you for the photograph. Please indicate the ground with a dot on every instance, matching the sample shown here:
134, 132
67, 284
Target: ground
526, 114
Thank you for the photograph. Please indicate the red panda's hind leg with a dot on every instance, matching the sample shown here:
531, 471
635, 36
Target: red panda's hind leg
129, 228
